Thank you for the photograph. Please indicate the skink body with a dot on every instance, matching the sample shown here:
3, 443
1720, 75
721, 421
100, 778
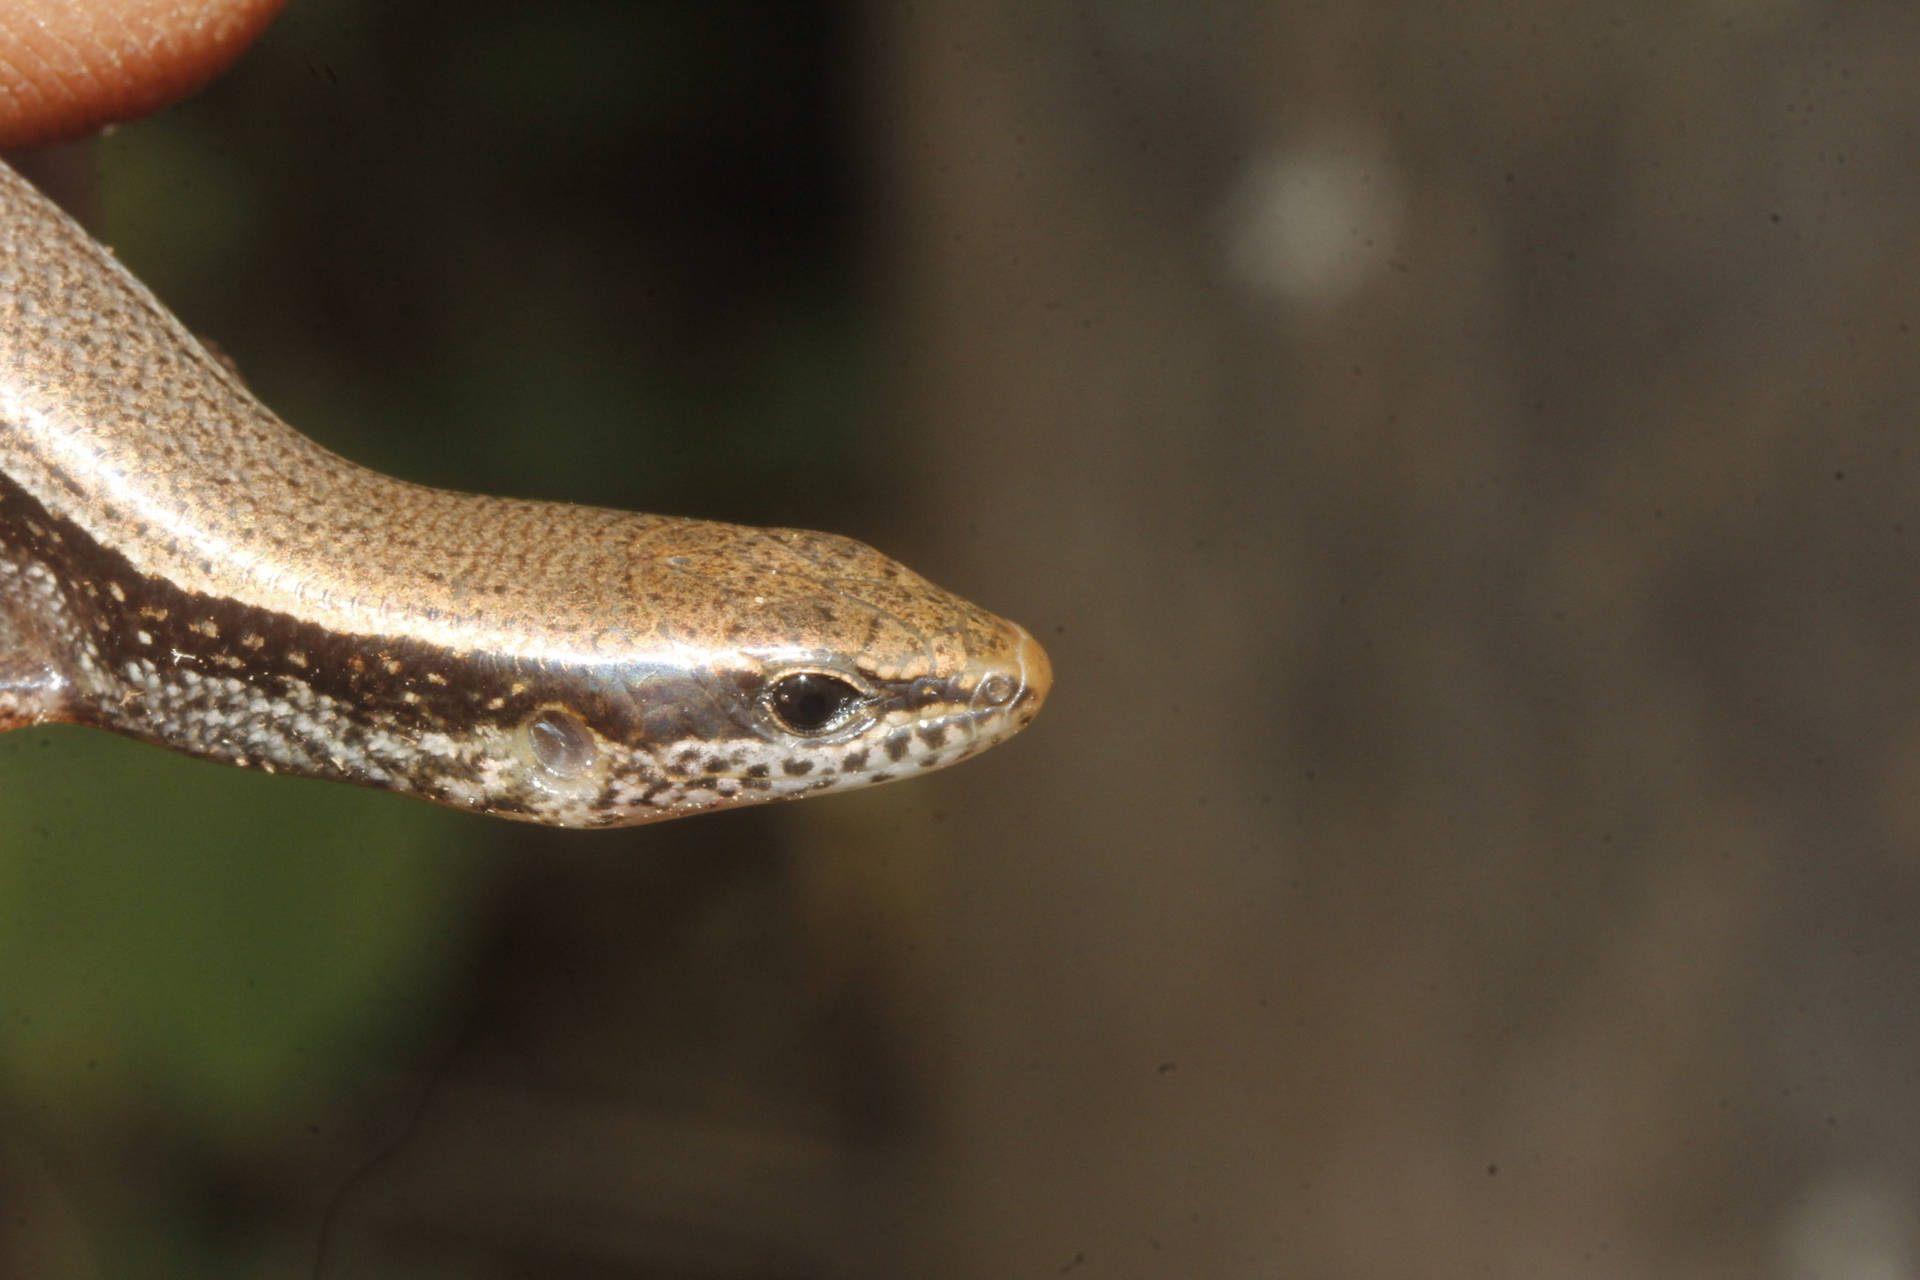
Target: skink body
179, 565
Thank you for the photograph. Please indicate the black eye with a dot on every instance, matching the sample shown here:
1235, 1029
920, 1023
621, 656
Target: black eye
812, 702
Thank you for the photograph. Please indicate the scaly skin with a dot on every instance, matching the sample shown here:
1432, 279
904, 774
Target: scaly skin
179, 565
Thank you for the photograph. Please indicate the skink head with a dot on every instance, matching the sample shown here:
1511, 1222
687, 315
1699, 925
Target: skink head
781, 663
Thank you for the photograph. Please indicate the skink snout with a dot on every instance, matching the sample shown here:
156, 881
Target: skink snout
1036, 672
1020, 681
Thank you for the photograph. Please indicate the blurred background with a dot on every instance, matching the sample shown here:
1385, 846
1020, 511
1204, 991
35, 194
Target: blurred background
1460, 458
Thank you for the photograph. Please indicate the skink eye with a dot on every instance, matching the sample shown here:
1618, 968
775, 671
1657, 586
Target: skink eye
812, 702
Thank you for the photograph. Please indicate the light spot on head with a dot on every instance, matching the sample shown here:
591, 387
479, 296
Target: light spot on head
560, 758
297, 657
561, 745
206, 627
114, 590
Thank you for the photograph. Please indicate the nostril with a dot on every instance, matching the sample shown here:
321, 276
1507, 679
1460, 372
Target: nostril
997, 690
1021, 679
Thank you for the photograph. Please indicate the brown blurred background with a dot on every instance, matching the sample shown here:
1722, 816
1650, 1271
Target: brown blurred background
1460, 459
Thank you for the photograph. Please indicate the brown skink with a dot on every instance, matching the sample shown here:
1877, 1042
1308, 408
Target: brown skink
179, 565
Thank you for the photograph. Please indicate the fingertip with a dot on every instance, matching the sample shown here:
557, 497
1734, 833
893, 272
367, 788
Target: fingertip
68, 67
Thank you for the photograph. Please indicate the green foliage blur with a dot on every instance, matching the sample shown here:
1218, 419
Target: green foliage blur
188, 945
